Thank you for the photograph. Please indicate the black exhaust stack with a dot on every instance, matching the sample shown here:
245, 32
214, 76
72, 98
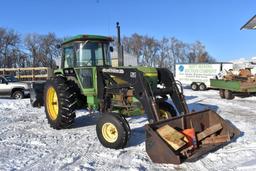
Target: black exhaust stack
119, 47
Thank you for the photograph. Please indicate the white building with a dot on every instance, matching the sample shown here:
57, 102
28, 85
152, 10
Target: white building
129, 60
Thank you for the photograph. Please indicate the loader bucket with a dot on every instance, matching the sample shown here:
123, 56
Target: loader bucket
161, 152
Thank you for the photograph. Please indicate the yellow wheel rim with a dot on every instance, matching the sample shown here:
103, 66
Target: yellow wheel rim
52, 103
164, 114
109, 132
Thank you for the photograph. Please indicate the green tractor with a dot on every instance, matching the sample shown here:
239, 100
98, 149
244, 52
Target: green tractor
86, 79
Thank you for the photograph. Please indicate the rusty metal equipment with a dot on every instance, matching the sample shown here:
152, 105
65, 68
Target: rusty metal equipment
160, 152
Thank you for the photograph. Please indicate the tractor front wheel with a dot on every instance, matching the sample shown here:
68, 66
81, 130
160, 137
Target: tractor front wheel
113, 131
59, 102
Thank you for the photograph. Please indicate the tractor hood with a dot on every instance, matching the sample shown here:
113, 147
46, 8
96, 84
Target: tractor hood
151, 76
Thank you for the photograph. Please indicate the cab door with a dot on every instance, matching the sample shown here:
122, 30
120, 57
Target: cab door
87, 77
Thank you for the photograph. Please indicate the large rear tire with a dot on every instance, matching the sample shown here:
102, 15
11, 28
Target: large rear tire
113, 131
60, 103
81, 101
166, 111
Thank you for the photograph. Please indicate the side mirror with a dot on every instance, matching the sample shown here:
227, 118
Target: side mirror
111, 49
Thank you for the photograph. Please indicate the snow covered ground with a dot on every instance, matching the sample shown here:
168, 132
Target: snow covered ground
28, 143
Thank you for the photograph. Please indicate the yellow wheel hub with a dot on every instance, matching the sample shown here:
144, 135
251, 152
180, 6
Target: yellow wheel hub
164, 114
52, 103
109, 132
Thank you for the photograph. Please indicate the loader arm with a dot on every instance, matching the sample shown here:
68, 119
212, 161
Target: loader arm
136, 81
166, 77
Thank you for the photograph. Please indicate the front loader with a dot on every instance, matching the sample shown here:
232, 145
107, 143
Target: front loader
86, 79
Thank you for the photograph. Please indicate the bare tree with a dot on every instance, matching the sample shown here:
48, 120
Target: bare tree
9, 47
43, 49
179, 50
149, 51
32, 43
49, 50
164, 53
133, 45
198, 54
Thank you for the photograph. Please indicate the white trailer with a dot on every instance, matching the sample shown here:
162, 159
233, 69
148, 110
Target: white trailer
198, 75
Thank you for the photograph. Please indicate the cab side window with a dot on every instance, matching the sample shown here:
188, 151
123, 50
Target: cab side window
68, 57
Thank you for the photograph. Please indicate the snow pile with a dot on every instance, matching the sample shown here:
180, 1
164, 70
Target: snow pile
28, 143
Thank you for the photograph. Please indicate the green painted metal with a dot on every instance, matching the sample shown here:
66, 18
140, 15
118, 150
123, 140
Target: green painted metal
88, 91
150, 75
148, 70
225, 84
86, 37
232, 85
92, 102
58, 71
133, 112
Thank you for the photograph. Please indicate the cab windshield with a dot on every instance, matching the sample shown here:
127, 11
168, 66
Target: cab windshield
87, 53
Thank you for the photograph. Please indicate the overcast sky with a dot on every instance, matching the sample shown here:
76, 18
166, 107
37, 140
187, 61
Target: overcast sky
216, 23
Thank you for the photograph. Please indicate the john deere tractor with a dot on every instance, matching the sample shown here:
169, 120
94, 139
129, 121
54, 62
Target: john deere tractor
86, 79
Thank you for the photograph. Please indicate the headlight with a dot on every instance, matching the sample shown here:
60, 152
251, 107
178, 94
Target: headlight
69, 72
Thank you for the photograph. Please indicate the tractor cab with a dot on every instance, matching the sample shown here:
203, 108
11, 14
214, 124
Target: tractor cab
86, 51
81, 55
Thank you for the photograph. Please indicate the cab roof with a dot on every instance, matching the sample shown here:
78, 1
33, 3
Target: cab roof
84, 37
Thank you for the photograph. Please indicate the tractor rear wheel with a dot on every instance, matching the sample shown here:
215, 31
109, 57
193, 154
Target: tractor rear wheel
166, 111
113, 131
59, 102
81, 100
